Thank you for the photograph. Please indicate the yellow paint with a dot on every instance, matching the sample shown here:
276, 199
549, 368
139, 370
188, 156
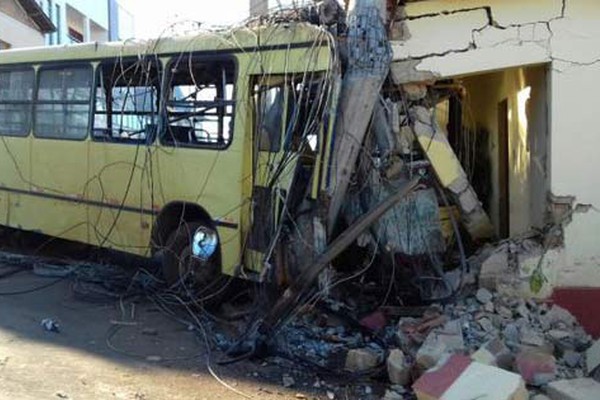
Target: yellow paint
443, 160
111, 173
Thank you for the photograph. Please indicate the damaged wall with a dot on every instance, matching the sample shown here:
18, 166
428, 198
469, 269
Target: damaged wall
452, 38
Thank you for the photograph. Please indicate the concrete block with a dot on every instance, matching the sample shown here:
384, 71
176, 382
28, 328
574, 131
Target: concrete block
398, 370
459, 378
536, 367
494, 353
361, 360
592, 357
574, 389
447, 340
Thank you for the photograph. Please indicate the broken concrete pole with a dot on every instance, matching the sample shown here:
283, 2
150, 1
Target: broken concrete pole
440, 343
592, 357
574, 389
450, 172
460, 378
361, 360
536, 367
369, 56
398, 369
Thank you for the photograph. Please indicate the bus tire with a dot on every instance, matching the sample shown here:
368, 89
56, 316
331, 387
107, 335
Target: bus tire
180, 267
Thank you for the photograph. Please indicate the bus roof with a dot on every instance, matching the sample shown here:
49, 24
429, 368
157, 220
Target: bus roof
241, 39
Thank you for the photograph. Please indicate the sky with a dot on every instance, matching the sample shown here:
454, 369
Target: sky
152, 17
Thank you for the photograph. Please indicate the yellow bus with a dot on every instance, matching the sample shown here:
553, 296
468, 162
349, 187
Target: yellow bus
192, 149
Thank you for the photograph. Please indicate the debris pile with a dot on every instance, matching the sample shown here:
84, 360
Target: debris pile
518, 343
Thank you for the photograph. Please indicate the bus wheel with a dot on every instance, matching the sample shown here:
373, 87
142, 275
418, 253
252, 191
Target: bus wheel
191, 256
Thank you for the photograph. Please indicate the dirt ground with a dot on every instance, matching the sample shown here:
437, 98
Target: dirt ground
117, 351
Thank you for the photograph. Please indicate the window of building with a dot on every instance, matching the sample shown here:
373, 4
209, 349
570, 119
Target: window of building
127, 97
16, 98
200, 103
49, 10
58, 25
75, 36
63, 102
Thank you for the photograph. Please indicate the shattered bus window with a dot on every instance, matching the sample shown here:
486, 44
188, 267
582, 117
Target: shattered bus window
127, 96
200, 103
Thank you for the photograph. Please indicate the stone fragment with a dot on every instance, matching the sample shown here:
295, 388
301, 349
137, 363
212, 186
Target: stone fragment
558, 334
489, 307
459, 378
571, 358
484, 296
441, 342
504, 312
398, 370
494, 353
574, 389
511, 333
486, 324
557, 315
361, 360
532, 338
536, 367
522, 310
592, 357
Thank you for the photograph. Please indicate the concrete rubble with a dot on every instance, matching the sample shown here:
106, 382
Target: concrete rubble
524, 346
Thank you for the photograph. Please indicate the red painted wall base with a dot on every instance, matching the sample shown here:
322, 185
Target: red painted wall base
583, 303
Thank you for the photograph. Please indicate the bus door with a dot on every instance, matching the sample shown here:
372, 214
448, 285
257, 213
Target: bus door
285, 141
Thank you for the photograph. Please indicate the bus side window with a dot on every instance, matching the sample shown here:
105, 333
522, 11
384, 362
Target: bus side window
126, 103
63, 102
200, 103
16, 99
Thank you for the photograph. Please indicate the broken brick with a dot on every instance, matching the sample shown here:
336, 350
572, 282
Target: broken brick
459, 378
536, 367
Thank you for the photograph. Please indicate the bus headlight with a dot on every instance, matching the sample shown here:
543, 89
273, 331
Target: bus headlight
204, 243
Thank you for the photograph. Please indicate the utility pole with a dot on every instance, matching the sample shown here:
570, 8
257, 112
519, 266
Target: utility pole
369, 57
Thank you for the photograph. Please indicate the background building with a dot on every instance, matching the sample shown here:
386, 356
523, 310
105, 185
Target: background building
79, 21
23, 23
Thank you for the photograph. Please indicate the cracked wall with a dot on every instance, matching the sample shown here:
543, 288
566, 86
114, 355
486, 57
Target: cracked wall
458, 38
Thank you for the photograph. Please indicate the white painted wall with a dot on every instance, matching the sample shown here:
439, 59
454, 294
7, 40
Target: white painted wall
18, 34
524, 33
